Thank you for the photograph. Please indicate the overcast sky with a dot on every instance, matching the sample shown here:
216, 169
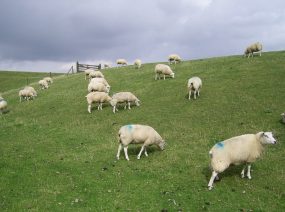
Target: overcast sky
51, 35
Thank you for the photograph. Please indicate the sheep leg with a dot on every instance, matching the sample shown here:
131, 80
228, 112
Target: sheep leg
89, 108
125, 106
129, 105
189, 94
114, 109
248, 171
101, 106
242, 172
155, 78
164, 76
119, 151
195, 94
145, 152
139, 155
98, 108
214, 174
126, 152
198, 92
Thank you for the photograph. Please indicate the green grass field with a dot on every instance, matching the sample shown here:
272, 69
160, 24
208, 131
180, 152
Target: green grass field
55, 156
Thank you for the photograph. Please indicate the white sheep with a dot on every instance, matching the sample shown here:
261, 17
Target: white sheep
94, 74
124, 97
138, 63
87, 72
25, 94
256, 47
237, 150
43, 84
97, 86
3, 105
48, 79
107, 66
138, 134
194, 84
283, 117
94, 97
30, 88
100, 80
122, 62
174, 58
163, 69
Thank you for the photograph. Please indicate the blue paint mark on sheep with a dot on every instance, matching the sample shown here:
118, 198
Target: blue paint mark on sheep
130, 127
220, 145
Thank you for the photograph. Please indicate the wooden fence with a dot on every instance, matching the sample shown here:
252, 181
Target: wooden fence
81, 67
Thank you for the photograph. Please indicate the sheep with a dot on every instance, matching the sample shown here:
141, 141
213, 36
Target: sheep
122, 62
100, 80
25, 94
136, 134
174, 58
97, 86
3, 105
107, 66
30, 88
163, 69
94, 74
124, 97
283, 117
256, 47
240, 149
48, 79
138, 63
43, 84
194, 84
99, 97
87, 72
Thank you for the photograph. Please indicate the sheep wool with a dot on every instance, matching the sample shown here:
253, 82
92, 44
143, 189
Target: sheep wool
163, 69
237, 150
138, 63
194, 84
43, 84
122, 62
256, 47
97, 97
124, 97
3, 105
174, 58
138, 134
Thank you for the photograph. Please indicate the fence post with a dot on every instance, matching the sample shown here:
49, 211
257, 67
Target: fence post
77, 66
49, 74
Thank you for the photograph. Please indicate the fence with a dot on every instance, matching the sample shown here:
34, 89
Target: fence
82, 67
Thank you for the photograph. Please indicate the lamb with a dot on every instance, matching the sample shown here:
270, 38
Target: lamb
283, 117
256, 47
43, 84
241, 149
3, 105
100, 80
100, 97
97, 86
194, 84
124, 97
136, 134
94, 74
138, 63
48, 79
163, 69
122, 62
174, 58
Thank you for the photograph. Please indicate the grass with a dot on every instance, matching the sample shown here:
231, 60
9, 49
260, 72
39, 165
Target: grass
54, 156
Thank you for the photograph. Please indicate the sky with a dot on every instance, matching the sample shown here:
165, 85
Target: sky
51, 35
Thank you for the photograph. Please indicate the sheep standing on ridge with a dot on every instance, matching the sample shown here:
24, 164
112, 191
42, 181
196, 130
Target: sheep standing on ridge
138, 134
174, 58
122, 62
241, 149
87, 72
124, 97
138, 63
100, 97
194, 84
256, 47
43, 84
95, 74
163, 69
3, 105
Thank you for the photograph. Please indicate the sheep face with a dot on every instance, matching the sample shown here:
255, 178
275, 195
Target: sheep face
137, 102
172, 75
267, 138
113, 102
162, 144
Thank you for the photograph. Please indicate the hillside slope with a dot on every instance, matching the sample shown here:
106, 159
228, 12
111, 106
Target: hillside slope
54, 155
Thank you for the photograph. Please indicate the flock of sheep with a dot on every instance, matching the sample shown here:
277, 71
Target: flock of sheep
244, 149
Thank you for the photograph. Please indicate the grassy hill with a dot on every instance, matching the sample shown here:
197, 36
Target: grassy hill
56, 156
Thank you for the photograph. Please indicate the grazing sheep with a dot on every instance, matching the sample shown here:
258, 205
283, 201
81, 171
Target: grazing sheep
124, 97
100, 97
30, 88
283, 117
256, 47
25, 94
241, 149
43, 84
3, 105
138, 134
122, 62
48, 79
97, 86
100, 80
96, 74
107, 66
174, 58
138, 63
163, 69
87, 72
194, 84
